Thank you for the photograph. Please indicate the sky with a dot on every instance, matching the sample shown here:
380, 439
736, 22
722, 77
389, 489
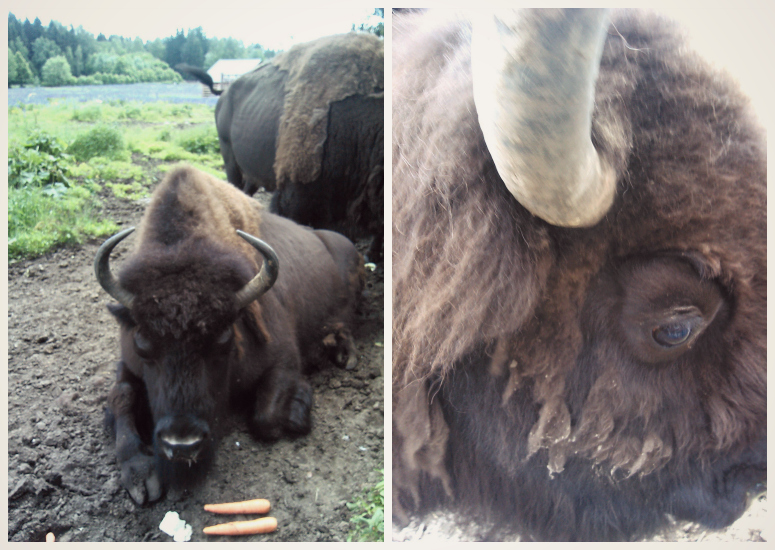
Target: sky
273, 28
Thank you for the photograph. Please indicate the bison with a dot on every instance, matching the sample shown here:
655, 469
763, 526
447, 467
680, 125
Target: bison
308, 125
221, 307
579, 276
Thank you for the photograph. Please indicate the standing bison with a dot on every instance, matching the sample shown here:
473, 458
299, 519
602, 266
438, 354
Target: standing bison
579, 274
308, 125
221, 307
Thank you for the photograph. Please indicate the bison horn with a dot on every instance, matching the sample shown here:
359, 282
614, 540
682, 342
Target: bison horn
102, 270
265, 278
534, 76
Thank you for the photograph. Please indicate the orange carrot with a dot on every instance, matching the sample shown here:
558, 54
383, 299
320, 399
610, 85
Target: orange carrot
257, 506
50, 537
254, 526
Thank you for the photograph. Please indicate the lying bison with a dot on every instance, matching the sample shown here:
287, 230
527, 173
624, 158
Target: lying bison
579, 271
308, 125
221, 307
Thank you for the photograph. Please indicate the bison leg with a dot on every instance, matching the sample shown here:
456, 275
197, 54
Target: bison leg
233, 172
138, 471
283, 405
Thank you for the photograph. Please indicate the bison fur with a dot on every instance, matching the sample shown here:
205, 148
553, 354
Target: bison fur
579, 383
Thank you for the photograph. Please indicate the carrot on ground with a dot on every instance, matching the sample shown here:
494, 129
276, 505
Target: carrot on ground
252, 527
256, 506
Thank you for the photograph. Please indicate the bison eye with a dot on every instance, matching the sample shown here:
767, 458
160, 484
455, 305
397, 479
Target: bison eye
671, 335
665, 307
143, 346
676, 332
222, 343
225, 337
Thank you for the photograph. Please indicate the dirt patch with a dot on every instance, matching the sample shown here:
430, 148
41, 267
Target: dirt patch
62, 473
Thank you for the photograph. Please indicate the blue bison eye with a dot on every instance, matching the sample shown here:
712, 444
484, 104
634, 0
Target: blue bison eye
672, 334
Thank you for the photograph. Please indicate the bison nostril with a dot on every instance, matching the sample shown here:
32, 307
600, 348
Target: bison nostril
181, 438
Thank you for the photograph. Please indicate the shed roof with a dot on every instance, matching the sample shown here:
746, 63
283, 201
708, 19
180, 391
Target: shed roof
225, 70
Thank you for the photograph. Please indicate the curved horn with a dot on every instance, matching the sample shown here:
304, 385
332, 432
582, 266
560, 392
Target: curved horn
534, 74
265, 278
102, 270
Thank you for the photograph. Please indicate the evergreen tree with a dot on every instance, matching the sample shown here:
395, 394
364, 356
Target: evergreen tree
173, 48
15, 29
43, 49
32, 31
194, 49
78, 61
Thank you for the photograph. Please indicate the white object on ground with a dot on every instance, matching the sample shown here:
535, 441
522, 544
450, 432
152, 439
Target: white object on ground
175, 527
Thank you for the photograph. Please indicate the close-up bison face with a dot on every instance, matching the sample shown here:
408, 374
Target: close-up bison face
187, 384
579, 274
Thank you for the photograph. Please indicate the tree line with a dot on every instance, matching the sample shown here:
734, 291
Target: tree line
55, 55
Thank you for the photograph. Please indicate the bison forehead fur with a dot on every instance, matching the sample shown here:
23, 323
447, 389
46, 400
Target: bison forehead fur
189, 261
526, 380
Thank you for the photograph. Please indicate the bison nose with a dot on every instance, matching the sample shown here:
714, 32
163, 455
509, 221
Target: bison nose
181, 437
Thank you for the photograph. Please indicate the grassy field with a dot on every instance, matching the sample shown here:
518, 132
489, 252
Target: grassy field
63, 157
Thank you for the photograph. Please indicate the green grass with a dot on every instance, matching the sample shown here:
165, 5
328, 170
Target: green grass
62, 155
369, 519
38, 222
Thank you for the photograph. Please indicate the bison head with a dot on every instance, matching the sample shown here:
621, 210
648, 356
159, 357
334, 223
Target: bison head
579, 274
183, 313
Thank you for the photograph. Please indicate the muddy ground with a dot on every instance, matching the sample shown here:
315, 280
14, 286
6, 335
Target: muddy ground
62, 473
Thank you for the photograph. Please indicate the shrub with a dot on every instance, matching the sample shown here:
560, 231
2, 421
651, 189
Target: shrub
131, 112
88, 81
40, 162
201, 141
90, 113
102, 141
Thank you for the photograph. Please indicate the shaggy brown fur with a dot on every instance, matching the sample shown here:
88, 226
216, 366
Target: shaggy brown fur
525, 315
341, 65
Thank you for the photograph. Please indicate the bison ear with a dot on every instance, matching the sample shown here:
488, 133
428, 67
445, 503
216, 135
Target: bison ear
122, 314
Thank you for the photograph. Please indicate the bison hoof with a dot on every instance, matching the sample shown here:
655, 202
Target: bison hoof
141, 479
299, 418
342, 349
